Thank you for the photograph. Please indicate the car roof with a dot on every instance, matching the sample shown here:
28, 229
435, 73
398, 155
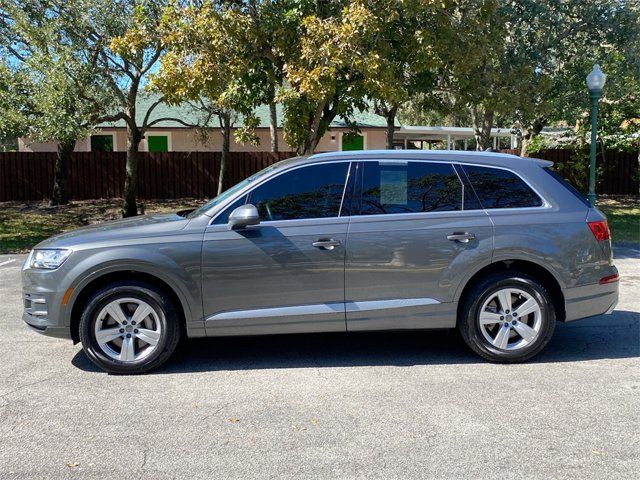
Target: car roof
488, 158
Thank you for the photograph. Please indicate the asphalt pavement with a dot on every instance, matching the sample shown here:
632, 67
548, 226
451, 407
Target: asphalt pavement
383, 405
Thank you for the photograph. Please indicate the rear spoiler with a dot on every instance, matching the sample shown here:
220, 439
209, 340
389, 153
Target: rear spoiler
542, 163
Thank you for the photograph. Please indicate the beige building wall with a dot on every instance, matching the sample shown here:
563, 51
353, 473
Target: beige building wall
186, 140
27, 145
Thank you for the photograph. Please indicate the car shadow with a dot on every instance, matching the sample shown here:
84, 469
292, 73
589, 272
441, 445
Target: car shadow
602, 337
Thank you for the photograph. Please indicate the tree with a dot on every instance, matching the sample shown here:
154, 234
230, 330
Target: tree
562, 39
40, 101
324, 76
124, 39
118, 41
521, 63
401, 56
60, 114
476, 76
15, 92
206, 65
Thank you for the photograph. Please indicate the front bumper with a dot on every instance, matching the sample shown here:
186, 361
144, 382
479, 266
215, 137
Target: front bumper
590, 300
42, 293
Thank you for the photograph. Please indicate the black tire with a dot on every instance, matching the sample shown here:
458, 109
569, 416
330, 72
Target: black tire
474, 299
166, 314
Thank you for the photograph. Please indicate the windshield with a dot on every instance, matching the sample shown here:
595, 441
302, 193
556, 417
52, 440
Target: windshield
231, 191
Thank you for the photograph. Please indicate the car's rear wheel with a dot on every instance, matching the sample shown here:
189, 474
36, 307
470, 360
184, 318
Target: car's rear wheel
129, 327
507, 317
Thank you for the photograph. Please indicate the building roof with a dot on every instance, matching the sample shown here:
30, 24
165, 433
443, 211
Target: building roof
187, 114
419, 131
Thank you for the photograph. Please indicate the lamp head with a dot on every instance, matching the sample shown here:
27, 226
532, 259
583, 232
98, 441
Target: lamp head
596, 79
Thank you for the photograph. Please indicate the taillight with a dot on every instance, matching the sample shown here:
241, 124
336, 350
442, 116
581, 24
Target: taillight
600, 230
609, 279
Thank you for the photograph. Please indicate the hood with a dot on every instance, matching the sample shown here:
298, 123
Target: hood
126, 229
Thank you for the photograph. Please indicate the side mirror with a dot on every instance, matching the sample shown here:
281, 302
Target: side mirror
243, 216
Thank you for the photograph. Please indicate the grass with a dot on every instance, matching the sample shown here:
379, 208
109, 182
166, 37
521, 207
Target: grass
623, 214
23, 225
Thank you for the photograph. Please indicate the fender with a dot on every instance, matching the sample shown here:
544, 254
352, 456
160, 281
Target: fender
185, 283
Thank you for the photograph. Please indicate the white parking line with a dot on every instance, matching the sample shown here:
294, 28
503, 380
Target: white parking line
7, 262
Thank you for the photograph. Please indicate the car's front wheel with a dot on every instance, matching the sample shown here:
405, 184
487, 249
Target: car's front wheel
507, 317
129, 327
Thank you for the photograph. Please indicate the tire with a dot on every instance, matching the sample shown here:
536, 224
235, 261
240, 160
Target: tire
108, 328
492, 331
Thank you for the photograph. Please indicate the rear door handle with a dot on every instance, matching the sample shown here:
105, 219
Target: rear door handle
329, 244
461, 237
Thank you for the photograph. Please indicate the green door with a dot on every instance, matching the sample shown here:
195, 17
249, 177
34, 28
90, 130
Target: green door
158, 143
352, 141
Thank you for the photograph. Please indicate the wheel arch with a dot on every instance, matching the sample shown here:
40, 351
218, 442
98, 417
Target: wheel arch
83, 294
516, 265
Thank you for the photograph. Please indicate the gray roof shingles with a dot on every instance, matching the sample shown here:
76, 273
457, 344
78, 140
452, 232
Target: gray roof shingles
187, 114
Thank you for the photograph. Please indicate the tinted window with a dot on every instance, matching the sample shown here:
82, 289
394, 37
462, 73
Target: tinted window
500, 188
409, 187
307, 192
567, 185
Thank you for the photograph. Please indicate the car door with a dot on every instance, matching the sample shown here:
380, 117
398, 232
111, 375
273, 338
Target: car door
410, 242
285, 275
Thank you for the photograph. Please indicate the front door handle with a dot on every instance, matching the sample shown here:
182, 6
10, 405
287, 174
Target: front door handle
463, 237
328, 244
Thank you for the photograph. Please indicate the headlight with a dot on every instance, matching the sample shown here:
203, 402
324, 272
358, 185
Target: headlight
48, 259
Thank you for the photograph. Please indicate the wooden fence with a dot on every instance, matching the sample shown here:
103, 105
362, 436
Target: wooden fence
619, 172
29, 176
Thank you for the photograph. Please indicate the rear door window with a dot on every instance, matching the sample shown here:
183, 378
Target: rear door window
497, 188
409, 187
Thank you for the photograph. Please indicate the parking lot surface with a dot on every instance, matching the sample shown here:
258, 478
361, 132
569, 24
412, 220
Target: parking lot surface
383, 405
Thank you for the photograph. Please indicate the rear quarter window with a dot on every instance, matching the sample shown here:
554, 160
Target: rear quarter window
567, 185
497, 188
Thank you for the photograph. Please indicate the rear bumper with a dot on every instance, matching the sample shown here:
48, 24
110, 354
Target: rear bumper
590, 300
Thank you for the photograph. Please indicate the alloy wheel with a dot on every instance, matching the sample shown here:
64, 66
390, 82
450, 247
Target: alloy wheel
510, 319
128, 329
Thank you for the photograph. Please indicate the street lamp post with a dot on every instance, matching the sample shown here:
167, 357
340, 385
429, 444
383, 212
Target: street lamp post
595, 82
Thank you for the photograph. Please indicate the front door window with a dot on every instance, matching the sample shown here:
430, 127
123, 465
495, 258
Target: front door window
309, 192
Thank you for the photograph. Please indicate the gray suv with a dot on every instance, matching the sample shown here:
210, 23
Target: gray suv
496, 245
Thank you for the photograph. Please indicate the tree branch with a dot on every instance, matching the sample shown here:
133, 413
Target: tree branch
168, 119
149, 111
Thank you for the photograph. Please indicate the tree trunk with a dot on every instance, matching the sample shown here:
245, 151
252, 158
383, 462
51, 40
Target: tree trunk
318, 123
225, 125
61, 175
391, 125
130, 208
482, 129
273, 126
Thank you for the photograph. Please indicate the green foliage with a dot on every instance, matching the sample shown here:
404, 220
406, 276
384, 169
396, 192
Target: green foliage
523, 63
538, 143
45, 84
15, 103
510, 63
